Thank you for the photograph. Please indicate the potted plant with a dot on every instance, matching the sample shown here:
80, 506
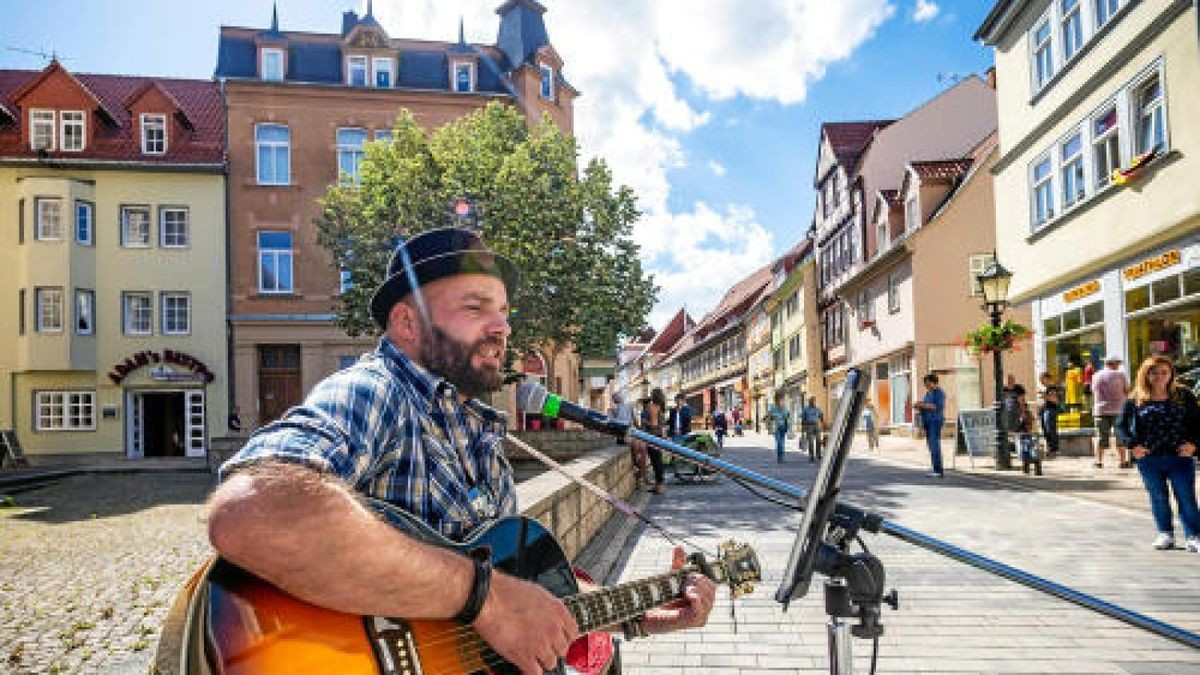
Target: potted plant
988, 338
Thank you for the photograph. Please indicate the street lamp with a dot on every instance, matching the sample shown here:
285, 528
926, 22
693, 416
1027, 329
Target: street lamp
993, 281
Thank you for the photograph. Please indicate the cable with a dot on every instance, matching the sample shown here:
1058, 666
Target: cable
765, 497
874, 653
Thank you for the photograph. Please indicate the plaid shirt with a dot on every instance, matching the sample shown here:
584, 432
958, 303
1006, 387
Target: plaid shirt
394, 431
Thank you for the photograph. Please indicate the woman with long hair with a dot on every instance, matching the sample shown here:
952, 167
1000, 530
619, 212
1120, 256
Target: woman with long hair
657, 408
1160, 424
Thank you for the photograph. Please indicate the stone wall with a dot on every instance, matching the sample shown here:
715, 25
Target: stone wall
562, 445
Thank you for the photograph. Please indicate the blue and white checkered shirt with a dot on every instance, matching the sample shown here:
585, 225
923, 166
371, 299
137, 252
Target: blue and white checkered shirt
394, 431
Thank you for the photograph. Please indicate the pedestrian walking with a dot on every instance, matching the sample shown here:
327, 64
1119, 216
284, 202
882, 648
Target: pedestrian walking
869, 417
933, 409
720, 426
654, 425
1110, 390
812, 421
777, 423
737, 420
1160, 424
621, 412
1048, 413
679, 421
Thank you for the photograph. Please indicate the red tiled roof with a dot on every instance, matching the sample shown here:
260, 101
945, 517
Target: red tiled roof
199, 102
671, 333
849, 139
942, 169
892, 197
737, 299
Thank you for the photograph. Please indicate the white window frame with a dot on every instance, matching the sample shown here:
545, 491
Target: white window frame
172, 322
1115, 6
167, 239
133, 313
64, 411
354, 153
1075, 16
276, 255
470, 67
85, 308
44, 229
151, 122
976, 264
274, 147
893, 293
82, 207
1137, 112
127, 241
912, 213
1067, 169
48, 309
1108, 142
1044, 186
384, 136
44, 121
271, 74
352, 64
546, 86
1036, 48
76, 120
882, 236
388, 67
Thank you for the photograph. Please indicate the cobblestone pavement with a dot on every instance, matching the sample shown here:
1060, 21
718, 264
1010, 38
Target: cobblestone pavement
952, 618
89, 566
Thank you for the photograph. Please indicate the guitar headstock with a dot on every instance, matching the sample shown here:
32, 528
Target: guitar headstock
740, 563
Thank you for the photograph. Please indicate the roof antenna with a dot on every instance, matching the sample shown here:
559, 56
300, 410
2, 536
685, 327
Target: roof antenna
461, 40
274, 17
51, 56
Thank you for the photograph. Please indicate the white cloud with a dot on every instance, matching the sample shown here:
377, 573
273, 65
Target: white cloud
925, 11
646, 70
716, 167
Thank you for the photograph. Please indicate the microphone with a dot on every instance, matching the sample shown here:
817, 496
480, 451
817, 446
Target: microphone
533, 399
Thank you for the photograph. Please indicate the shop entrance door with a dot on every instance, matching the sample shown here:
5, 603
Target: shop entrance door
164, 428
279, 381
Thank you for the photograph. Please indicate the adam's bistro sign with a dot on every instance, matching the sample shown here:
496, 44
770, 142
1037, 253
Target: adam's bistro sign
146, 357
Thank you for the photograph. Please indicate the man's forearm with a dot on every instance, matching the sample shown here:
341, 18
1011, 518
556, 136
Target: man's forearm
309, 536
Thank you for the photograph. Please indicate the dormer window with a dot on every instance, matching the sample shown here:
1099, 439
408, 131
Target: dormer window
464, 77
383, 72
547, 82
272, 64
154, 133
356, 71
912, 217
41, 129
72, 130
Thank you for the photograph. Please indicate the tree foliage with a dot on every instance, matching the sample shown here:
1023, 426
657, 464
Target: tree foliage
570, 233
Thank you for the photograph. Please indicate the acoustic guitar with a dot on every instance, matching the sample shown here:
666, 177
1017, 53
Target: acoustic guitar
239, 624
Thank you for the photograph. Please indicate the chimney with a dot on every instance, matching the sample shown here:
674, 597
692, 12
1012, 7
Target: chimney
990, 77
349, 21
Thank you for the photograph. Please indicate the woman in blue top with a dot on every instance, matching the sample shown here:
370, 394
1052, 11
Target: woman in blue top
1160, 424
933, 408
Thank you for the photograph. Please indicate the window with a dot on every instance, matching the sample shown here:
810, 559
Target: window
881, 237
1104, 10
41, 129
154, 133
464, 77
1073, 189
350, 153
173, 227
272, 64
893, 293
383, 72
1106, 145
135, 226
72, 130
49, 219
383, 136
138, 313
1043, 192
864, 307
84, 222
85, 312
356, 67
794, 349
345, 281
66, 411
547, 82
21, 312
912, 216
1043, 54
272, 148
1072, 28
275, 262
48, 304
176, 313
21, 220
792, 305
976, 264
1151, 129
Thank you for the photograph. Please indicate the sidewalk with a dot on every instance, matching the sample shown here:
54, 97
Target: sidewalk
46, 469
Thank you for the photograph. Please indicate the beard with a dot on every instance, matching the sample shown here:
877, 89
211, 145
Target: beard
450, 358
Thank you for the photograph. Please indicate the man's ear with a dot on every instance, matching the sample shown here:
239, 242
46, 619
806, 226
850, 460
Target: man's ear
403, 324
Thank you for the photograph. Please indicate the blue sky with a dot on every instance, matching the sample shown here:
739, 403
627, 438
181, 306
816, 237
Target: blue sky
710, 109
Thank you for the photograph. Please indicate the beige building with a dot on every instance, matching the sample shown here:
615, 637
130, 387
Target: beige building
112, 264
1098, 157
795, 336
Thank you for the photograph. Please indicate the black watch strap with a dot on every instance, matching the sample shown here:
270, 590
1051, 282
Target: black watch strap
479, 590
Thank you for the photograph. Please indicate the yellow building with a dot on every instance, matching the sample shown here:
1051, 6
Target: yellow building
112, 264
1099, 218
795, 338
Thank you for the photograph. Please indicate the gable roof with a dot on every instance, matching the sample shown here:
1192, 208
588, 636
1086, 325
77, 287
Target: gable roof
849, 139
671, 333
941, 169
199, 101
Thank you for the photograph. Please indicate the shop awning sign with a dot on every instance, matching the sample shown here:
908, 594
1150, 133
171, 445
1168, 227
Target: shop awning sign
1151, 265
162, 371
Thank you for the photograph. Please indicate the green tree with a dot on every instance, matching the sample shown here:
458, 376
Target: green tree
570, 233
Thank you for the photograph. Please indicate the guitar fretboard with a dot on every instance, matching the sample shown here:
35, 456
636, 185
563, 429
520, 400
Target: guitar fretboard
611, 606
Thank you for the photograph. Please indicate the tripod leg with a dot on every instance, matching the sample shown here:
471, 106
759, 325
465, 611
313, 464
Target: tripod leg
841, 659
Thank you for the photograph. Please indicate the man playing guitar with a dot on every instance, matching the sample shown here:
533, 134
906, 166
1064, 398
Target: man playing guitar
404, 425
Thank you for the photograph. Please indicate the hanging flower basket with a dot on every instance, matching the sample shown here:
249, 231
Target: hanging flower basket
1002, 338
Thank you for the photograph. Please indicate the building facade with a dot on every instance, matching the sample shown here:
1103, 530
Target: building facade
795, 340
112, 263
301, 107
1098, 150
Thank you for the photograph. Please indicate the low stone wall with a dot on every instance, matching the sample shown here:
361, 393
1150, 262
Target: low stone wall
572, 513
561, 445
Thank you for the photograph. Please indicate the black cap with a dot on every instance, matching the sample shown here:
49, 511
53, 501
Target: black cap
435, 254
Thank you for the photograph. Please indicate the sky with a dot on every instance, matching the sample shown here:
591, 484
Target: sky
709, 109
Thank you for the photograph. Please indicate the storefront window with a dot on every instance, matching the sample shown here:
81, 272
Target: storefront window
1051, 326
1173, 332
1067, 357
1137, 298
1191, 282
1071, 321
1093, 313
1165, 290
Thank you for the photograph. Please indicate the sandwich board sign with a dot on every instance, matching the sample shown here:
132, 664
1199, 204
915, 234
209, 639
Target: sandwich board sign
977, 429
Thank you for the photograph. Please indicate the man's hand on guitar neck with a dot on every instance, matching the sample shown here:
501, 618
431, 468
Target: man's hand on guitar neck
690, 611
525, 624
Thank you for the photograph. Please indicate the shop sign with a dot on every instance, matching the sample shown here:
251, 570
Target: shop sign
198, 372
1151, 265
1082, 291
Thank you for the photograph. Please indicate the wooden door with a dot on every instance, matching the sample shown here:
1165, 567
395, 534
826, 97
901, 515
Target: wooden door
279, 381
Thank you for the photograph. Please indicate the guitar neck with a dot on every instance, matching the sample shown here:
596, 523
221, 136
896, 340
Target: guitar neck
611, 606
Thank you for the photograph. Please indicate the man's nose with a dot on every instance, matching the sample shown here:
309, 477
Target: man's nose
499, 325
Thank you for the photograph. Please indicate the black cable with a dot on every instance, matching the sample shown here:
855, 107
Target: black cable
765, 497
874, 653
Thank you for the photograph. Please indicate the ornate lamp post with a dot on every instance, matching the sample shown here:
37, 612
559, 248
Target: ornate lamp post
994, 282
